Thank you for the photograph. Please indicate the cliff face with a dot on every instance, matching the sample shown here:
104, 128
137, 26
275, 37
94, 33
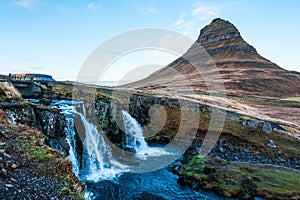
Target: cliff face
160, 118
223, 42
49, 121
218, 30
221, 56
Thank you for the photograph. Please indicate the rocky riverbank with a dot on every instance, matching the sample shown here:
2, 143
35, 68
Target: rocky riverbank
242, 180
30, 169
245, 163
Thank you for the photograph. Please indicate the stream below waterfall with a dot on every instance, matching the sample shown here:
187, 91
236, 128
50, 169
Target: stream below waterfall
106, 177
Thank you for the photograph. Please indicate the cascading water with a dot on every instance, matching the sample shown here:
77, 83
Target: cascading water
71, 141
67, 108
99, 164
97, 161
135, 139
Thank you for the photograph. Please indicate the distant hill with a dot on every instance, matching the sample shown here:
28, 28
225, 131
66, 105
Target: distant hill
243, 70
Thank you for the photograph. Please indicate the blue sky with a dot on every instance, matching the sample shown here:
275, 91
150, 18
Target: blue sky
56, 37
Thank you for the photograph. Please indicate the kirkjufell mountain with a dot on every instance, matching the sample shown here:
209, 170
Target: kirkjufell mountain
242, 70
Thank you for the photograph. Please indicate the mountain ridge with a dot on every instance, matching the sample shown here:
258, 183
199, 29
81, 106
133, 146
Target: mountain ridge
220, 52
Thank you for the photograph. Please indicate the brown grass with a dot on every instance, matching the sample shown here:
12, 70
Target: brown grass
10, 91
46, 161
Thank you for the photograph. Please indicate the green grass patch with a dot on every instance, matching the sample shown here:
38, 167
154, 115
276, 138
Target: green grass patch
194, 168
6, 98
229, 180
49, 162
277, 184
2, 92
47, 109
40, 154
65, 190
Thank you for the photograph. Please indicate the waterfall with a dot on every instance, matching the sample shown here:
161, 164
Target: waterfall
134, 133
134, 139
97, 161
67, 109
70, 133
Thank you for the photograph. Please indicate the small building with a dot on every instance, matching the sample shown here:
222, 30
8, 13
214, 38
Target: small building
30, 84
41, 78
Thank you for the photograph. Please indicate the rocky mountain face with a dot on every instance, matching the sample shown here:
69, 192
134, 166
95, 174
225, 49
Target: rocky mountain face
220, 58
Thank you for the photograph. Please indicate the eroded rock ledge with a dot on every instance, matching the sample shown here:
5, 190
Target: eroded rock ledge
45, 119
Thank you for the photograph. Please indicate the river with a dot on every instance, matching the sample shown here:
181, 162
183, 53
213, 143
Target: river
106, 177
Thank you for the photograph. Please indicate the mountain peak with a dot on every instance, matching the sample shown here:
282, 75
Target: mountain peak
222, 40
244, 72
218, 30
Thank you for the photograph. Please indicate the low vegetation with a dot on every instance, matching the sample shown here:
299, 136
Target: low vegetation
31, 148
232, 181
49, 162
70, 90
8, 92
226, 178
255, 139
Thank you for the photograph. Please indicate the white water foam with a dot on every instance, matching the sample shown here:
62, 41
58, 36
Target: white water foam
98, 161
135, 139
67, 108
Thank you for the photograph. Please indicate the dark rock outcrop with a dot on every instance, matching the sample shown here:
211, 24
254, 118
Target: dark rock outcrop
248, 188
47, 120
218, 31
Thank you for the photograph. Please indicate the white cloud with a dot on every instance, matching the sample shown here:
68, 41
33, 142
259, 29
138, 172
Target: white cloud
26, 3
93, 5
204, 12
186, 27
188, 23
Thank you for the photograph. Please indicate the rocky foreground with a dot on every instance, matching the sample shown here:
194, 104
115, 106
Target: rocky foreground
29, 167
242, 168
